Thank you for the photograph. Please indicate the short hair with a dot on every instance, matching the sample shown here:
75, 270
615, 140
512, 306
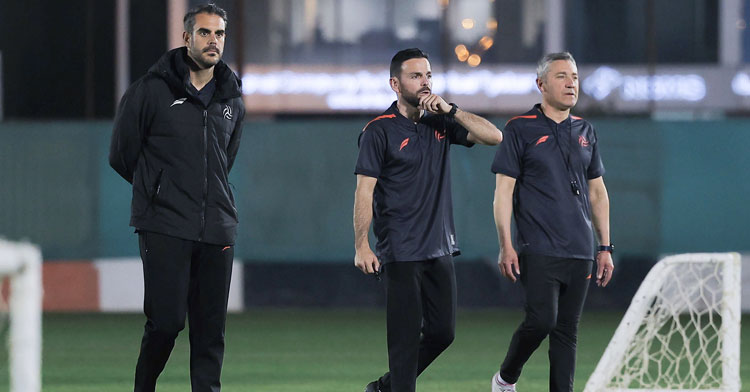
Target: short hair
212, 9
407, 54
542, 68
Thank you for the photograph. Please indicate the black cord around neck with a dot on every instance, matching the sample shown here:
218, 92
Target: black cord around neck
566, 159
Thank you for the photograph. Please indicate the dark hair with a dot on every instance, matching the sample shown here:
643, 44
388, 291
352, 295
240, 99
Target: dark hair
400, 57
212, 9
543, 66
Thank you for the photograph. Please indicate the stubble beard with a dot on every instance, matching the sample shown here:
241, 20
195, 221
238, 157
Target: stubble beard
411, 99
197, 56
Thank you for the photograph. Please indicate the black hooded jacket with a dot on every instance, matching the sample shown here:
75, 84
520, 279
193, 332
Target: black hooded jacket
177, 152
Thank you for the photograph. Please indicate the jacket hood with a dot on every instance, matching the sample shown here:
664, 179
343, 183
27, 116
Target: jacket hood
173, 68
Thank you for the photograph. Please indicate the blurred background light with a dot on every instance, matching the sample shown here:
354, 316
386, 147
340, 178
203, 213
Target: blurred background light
474, 60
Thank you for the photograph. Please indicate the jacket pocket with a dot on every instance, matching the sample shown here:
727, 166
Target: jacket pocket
142, 191
156, 187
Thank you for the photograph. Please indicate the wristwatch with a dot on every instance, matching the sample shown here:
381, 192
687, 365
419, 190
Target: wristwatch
606, 248
454, 108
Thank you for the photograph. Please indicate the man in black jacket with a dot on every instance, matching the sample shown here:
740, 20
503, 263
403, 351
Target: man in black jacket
176, 134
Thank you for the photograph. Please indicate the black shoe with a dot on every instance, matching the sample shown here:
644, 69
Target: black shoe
373, 386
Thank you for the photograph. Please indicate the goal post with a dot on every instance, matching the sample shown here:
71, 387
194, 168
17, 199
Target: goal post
681, 331
21, 263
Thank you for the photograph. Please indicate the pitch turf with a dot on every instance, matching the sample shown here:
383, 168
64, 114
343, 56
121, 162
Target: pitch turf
320, 350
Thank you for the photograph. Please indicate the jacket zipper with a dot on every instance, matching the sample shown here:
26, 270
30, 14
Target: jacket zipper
205, 175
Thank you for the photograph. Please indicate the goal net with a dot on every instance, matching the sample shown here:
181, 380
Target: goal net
21, 264
681, 331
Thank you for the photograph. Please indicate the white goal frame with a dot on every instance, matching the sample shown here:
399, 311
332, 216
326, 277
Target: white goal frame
22, 264
640, 316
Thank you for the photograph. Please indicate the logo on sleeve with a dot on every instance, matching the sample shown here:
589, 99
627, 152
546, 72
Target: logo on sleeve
439, 136
583, 141
542, 140
404, 143
227, 112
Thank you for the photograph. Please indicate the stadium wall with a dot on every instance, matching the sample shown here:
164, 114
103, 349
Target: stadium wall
109, 285
674, 187
116, 285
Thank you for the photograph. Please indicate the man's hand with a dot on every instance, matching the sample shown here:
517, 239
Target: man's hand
508, 263
604, 268
366, 261
434, 104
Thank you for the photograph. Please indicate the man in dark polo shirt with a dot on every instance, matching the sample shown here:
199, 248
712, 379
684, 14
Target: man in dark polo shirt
403, 183
549, 177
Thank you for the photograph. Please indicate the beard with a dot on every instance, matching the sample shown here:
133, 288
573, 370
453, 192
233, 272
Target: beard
413, 99
204, 62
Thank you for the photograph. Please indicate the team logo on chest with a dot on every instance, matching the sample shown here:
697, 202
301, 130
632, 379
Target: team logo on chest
404, 143
439, 135
583, 141
227, 112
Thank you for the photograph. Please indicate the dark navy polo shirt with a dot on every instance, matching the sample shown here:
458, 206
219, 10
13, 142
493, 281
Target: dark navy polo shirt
551, 219
412, 205
206, 93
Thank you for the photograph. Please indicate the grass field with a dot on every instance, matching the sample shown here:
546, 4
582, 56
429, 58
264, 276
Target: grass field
284, 350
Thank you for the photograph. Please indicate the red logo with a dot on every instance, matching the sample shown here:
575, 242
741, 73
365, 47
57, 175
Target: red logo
404, 143
439, 136
582, 141
542, 140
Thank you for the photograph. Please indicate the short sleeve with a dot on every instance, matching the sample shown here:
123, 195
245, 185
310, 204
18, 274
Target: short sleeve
372, 147
457, 134
596, 167
509, 152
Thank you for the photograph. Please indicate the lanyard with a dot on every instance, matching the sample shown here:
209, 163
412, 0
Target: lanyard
566, 159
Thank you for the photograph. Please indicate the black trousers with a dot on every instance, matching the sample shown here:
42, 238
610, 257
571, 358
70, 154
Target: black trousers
555, 291
182, 278
421, 318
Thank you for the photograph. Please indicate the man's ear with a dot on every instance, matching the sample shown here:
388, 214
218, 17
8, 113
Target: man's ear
186, 38
395, 85
540, 85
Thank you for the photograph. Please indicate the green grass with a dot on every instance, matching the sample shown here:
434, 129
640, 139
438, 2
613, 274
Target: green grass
305, 350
